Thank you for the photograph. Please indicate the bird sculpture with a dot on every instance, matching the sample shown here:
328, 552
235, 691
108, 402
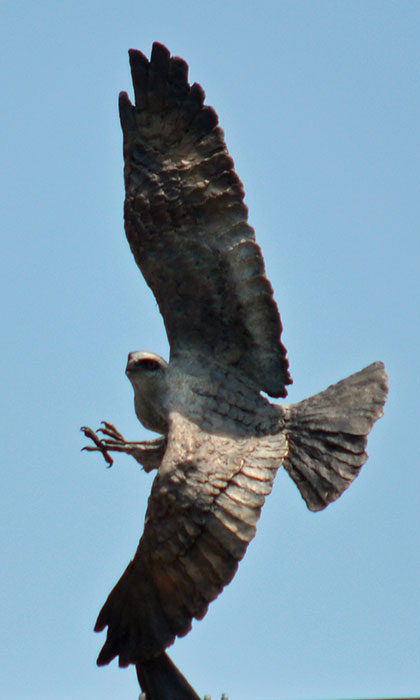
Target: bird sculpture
220, 440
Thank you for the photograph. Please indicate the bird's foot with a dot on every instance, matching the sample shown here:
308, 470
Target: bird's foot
149, 453
113, 441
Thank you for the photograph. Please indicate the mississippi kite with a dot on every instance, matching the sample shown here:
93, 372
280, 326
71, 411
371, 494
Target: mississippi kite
221, 441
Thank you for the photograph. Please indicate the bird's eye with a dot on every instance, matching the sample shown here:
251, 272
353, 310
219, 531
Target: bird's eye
149, 365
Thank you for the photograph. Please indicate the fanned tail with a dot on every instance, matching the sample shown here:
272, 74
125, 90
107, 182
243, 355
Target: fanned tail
160, 679
327, 435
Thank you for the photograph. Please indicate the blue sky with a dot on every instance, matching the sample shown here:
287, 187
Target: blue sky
319, 101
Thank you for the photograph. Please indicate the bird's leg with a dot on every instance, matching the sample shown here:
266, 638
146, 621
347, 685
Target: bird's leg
149, 453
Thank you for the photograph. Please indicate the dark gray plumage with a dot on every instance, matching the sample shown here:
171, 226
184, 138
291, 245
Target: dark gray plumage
222, 441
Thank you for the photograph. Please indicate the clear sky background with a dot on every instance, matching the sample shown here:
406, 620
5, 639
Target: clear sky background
319, 101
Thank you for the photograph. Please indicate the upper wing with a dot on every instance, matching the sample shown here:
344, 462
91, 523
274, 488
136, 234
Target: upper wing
202, 513
186, 223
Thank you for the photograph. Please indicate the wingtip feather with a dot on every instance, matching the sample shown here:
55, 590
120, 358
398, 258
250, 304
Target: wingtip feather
160, 54
126, 111
139, 66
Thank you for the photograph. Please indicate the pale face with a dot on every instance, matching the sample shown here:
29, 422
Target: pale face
147, 374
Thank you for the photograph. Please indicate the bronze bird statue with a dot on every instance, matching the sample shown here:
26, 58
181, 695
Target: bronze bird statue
220, 440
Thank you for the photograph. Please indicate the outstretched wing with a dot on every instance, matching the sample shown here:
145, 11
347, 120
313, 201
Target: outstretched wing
186, 223
202, 514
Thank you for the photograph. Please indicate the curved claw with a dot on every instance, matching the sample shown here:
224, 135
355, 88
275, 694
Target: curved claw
110, 431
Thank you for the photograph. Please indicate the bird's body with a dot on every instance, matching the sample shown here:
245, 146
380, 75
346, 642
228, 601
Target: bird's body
222, 440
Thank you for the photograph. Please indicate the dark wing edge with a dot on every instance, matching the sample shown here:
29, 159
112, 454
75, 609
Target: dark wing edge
186, 223
198, 526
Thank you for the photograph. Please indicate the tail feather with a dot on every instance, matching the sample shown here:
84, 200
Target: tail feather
160, 679
327, 435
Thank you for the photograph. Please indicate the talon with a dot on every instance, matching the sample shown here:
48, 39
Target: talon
110, 431
108, 459
88, 432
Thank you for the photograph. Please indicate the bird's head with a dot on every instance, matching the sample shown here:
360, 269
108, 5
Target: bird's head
147, 374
